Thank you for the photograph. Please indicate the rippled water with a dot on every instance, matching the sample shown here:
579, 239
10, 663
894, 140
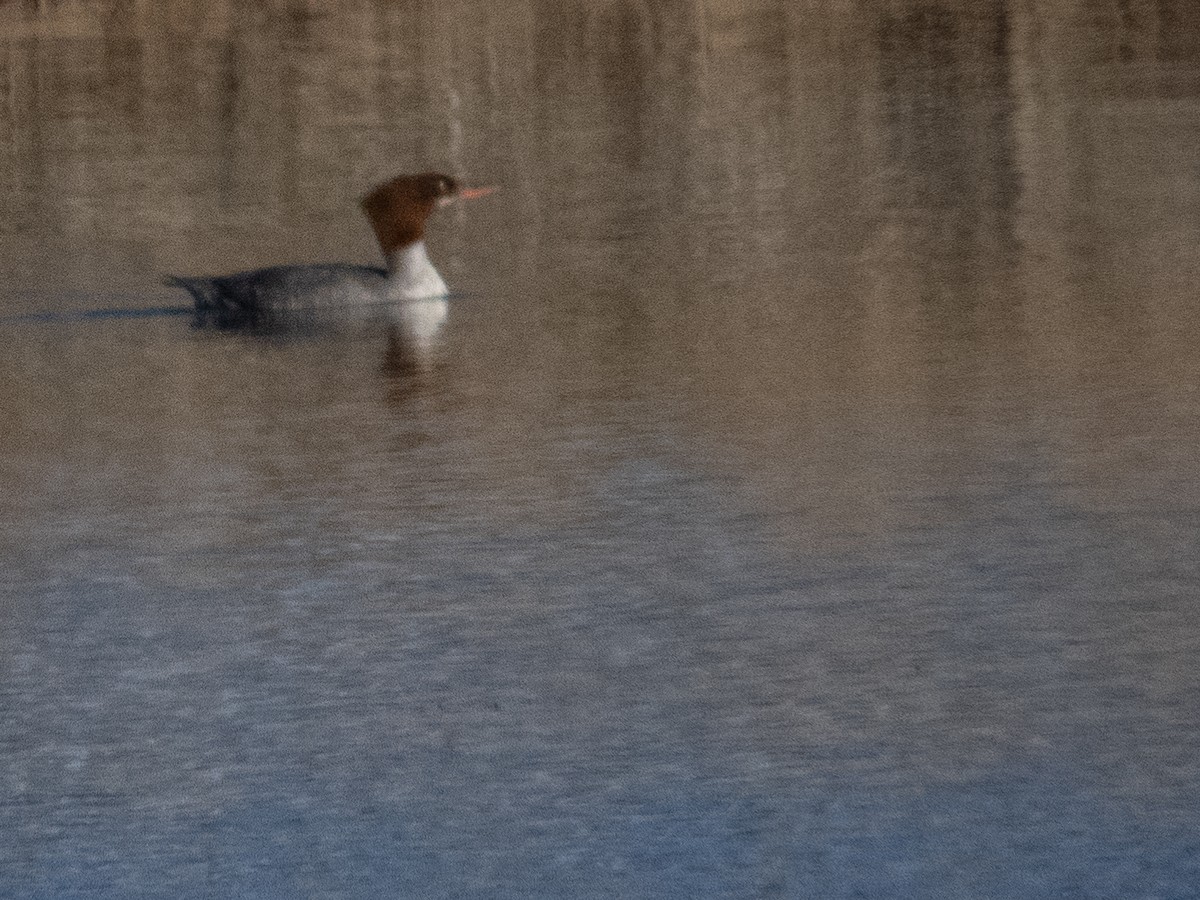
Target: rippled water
801, 498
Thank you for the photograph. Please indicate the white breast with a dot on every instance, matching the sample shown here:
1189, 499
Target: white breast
411, 276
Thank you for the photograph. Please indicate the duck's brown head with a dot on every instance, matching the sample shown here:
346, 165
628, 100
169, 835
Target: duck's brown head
398, 209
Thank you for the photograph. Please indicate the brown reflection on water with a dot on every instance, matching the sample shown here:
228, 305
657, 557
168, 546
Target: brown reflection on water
869, 223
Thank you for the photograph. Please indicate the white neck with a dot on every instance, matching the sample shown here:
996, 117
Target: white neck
411, 276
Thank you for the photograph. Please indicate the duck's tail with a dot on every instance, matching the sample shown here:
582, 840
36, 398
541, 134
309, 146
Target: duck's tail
216, 305
206, 294
200, 288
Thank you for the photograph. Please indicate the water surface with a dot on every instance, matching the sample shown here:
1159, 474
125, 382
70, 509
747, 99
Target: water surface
799, 500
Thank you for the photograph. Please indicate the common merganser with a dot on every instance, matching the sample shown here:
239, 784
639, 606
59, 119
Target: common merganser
288, 295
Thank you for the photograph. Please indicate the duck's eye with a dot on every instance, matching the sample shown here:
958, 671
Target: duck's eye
443, 186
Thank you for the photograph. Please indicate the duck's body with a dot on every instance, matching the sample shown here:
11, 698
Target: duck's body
269, 296
283, 295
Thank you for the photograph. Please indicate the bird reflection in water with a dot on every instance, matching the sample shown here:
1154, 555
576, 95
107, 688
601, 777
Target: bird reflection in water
410, 338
